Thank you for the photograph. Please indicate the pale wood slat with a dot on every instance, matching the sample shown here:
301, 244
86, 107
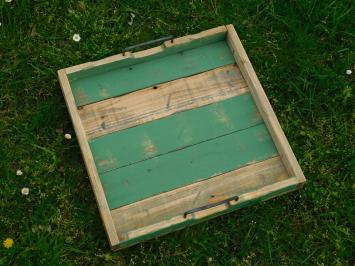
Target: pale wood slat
166, 206
88, 160
264, 105
168, 98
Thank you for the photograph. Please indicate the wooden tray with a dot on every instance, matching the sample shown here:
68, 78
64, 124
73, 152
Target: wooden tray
177, 134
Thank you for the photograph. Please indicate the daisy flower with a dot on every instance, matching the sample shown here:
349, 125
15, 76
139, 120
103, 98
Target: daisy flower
67, 136
25, 191
76, 37
19, 172
132, 18
348, 72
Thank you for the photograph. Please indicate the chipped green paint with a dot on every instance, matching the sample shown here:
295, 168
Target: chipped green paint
174, 132
125, 76
190, 222
179, 168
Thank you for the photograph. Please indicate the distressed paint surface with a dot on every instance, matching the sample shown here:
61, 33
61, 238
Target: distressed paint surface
190, 222
121, 80
172, 170
174, 132
163, 207
151, 103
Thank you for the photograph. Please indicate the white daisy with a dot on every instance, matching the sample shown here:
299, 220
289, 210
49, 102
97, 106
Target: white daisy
348, 72
132, 18
67, 136
76, 37
19, 172
25, 191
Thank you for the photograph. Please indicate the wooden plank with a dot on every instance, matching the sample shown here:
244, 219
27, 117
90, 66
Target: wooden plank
175, 203
120, 60
123, 80
174, 132
146, 105
88, 160
169, 171
178, 222
264, 105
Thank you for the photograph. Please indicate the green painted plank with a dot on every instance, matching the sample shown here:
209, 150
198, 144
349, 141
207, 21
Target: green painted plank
129, 61
176, 169
190, 222
174, 132
122, 80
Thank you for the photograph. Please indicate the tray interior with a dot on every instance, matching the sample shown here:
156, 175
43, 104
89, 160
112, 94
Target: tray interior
173, 131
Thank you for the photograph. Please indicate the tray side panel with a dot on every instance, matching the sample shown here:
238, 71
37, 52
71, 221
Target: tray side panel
89, 161
172, 170
247, 199
264, 105
168, 98
175, 203
127, 79
179, 44
174, 132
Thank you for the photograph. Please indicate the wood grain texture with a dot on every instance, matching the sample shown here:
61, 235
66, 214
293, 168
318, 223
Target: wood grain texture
120, 60
157, 210
122, 80
178, 222
172, 170
88, 160
149, 104
174, 132
264, 105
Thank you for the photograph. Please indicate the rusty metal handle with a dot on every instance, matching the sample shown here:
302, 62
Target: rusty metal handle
211, 205
136, 46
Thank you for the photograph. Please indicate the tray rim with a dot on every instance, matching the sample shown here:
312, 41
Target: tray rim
259, 96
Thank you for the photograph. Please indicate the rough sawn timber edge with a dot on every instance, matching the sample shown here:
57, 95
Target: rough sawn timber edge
263, 105
147, 52
248, 199
88, 160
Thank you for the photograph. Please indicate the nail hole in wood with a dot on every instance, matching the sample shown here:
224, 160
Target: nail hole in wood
155, 87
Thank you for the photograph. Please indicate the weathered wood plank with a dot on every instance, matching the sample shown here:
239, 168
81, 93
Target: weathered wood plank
174, 132
149, 104
169, 171
178, 222
164, 207
264, 105
129, 58
89, 161
123, 80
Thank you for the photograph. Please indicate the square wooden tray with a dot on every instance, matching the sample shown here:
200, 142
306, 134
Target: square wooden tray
176, 134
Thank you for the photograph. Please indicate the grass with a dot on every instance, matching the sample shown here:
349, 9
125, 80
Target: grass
300, 50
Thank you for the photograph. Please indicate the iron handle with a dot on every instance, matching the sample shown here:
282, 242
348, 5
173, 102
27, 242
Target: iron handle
211, 205
133, 47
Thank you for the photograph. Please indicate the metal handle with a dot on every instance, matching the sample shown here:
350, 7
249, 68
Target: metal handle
211, 205
133, 47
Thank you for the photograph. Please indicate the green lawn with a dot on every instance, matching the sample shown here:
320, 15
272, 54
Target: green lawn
300, 50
